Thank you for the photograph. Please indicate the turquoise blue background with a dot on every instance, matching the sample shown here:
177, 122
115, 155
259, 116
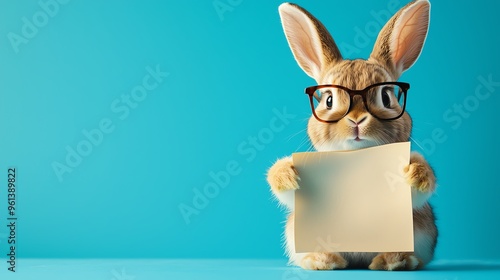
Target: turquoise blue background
226, 76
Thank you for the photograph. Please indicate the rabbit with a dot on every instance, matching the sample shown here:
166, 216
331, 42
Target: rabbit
397, 47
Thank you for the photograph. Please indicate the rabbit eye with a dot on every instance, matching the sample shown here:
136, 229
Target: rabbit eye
329, 99
386, 100
329, 102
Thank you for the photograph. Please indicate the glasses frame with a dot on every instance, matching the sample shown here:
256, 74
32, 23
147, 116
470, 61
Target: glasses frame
311, 92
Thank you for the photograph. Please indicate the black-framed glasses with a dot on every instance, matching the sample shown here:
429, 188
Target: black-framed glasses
384, 101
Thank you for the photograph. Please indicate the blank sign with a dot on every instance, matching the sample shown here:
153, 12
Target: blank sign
354, 201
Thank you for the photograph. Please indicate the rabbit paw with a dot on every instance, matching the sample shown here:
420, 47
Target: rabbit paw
419, 174
395, 261
323, 261
282, 176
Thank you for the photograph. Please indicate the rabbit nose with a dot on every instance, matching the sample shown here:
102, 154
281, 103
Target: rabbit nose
358, 120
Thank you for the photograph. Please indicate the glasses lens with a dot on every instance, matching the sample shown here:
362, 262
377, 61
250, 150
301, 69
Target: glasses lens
330, 103
386, 101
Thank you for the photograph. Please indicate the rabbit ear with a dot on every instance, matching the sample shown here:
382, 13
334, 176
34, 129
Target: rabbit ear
312, 45
401, 40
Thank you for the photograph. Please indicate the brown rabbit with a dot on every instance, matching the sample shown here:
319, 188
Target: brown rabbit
397, 47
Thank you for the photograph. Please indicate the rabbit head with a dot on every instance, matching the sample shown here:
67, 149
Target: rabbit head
397, 47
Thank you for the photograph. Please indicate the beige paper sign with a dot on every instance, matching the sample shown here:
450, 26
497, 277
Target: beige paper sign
354, 201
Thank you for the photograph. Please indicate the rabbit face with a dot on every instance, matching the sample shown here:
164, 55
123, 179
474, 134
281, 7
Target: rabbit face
358, 128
